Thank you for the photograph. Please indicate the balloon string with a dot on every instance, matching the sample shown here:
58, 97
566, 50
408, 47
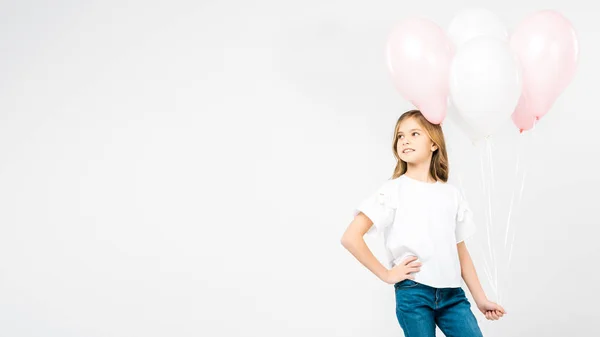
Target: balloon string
491, 146
487, 268
491, 159
512, 198
514, 232
521, 193
485, 187
519, 146
486, 265
490, 213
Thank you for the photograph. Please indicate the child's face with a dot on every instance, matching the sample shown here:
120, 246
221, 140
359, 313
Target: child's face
413, 139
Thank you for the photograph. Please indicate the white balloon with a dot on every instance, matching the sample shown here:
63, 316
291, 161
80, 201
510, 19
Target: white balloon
471, 23
485, 83
453, 115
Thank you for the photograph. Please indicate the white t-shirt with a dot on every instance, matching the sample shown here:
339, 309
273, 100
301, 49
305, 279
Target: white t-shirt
423, 219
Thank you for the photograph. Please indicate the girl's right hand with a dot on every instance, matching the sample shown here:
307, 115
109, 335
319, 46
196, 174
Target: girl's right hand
402, 271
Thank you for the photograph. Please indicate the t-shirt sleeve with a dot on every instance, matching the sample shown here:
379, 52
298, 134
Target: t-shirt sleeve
465, 226
380, 207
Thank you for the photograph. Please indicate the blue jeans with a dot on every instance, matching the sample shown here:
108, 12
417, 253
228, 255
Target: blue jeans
420, 307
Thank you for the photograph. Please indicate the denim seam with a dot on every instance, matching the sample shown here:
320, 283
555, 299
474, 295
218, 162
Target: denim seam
409, 286
403, 323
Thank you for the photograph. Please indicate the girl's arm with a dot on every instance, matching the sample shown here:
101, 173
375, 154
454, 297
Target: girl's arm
491, 310
353, 241
469, 274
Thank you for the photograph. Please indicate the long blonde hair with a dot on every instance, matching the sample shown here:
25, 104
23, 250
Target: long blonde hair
438, 167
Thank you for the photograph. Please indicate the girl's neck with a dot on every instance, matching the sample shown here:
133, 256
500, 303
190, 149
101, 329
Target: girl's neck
419, 172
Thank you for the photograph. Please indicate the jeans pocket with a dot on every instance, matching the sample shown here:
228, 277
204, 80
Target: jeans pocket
406, 283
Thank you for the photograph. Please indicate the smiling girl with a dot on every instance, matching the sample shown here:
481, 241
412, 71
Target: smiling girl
424, 221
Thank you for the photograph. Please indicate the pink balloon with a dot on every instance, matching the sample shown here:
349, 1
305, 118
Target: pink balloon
419, 55
547, 48
523, 117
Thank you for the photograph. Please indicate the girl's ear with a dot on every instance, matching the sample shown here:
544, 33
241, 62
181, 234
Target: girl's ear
433, 147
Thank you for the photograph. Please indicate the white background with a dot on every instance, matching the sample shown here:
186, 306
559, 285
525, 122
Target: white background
188, 168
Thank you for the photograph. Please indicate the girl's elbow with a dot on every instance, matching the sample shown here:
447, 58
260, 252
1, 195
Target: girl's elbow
346, 241
349, 240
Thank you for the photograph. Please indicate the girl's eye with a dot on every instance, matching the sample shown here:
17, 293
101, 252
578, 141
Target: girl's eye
415, 132
400, 136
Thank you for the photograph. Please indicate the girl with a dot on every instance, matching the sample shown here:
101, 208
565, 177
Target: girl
424, 221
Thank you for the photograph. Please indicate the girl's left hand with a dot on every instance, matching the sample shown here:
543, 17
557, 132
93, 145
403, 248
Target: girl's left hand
491, 310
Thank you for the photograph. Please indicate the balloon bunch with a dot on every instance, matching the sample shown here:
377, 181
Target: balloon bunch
483, 76
479, 72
